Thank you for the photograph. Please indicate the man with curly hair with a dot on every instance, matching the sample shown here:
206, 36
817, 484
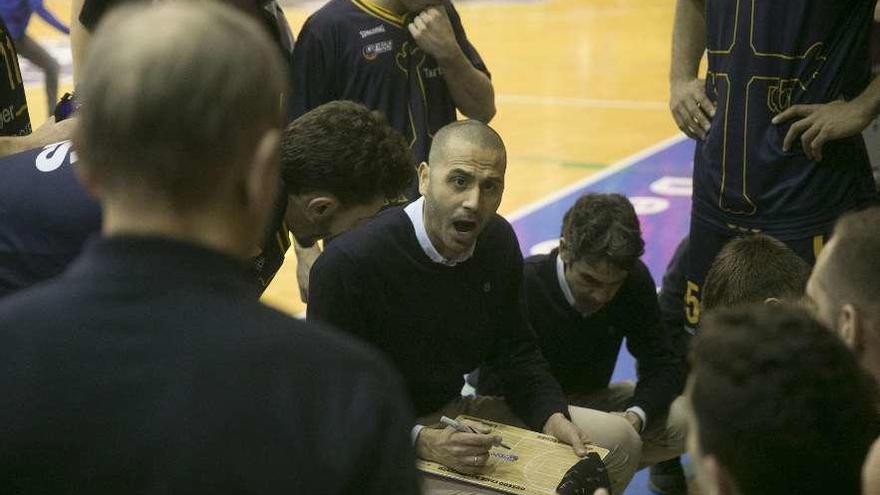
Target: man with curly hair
341, 163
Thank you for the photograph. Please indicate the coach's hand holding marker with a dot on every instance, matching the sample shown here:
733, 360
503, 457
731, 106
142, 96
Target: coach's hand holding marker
465, 452
462, 427
559, 427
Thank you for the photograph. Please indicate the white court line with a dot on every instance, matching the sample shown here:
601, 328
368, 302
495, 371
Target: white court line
612, 169
582, 102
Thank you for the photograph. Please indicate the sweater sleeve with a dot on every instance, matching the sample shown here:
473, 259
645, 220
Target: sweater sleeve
657, 362
334, 293
529, 387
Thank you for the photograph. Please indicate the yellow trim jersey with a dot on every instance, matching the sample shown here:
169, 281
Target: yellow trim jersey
356, 50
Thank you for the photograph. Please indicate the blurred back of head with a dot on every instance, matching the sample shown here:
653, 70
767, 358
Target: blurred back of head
753, 269
177, 97
779, 403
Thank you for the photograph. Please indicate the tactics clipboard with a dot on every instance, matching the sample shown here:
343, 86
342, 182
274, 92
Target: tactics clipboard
542, 461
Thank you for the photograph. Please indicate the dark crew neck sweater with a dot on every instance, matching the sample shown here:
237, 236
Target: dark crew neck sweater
436, 322
582, 351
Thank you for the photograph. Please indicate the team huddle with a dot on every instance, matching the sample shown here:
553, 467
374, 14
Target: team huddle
135, 242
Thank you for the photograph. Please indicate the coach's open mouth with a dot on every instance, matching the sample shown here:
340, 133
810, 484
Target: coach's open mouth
464, 226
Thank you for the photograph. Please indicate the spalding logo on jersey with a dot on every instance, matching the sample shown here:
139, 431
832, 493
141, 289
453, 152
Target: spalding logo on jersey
53, 155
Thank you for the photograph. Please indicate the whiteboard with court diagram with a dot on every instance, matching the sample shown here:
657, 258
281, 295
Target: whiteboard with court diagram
540, 462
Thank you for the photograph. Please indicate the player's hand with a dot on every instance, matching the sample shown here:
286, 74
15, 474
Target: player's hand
818, 124
432, 31
632, 418
691, 108
305, 258
463, 452
562, 429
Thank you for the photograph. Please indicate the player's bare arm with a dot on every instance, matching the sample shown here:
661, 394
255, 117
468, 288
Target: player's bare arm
48, 133
471, 89
690, 107
305, 258
815, 125
562, 429
464, 452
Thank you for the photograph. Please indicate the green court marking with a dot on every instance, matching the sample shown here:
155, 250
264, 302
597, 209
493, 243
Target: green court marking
543, 160
583, 165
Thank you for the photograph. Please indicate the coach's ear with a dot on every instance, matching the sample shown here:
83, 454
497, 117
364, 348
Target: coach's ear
262, 176
424, 172
320, 207
564, 255
850, 328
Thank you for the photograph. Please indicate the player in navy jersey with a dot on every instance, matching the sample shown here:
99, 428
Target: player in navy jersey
17, 15
777, 120
47, 216
409, 59
15, 121
14, 117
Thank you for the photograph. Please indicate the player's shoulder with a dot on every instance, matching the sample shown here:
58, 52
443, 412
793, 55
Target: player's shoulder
498, 226
375, 238
43, 159
536, 262
640, 274
498, 234
317, 347
332, 14
539, 272
639, 283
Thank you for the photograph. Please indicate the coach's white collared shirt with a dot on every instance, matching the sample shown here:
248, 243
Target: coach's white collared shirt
415, 212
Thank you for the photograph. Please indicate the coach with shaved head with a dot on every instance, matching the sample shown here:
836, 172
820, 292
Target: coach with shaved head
148, 366
436, 286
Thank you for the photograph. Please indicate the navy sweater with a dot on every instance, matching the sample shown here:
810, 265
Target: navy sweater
149, 367
582, 352
436, 322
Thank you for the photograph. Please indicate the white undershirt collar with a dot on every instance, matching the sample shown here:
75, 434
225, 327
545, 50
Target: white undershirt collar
415, 212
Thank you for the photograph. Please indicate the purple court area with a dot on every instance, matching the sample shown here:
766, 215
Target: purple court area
658, 182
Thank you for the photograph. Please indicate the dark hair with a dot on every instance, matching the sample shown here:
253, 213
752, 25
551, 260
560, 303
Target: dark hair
854, 266
752, 269
603, 227
781, 402
345, 149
